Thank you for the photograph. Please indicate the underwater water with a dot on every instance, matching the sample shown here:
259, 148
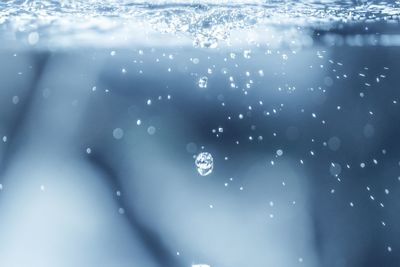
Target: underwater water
199, 133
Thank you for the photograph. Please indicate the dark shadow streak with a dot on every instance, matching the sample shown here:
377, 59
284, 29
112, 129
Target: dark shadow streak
150, 238
39, 65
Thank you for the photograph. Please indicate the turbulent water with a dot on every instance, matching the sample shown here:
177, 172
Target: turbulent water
199, 133
206, 23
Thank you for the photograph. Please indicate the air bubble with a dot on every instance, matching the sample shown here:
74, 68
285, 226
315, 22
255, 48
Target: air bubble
118, 133
204, 163
203, 82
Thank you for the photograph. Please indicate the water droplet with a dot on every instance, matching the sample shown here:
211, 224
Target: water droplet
204, 163
151, 130
121, 211
246, 54
15, 99
33, 38
203, 82
118, 133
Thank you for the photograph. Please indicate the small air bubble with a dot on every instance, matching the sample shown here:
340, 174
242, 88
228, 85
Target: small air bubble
15, 99
151, 130
118, 133
203, 82
33, 38
247, 54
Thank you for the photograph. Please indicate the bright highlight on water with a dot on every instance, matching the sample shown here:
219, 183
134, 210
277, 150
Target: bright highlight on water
204, 24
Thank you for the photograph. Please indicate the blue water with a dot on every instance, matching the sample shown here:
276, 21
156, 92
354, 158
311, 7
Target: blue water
107, 107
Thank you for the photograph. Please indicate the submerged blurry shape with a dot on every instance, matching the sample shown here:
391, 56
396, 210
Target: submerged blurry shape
204, 163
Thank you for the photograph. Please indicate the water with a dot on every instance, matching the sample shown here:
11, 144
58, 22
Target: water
177, 133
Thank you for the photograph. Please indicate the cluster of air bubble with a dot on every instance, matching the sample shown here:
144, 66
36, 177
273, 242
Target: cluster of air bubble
205, 22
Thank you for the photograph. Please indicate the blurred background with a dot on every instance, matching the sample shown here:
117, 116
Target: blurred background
97, 162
